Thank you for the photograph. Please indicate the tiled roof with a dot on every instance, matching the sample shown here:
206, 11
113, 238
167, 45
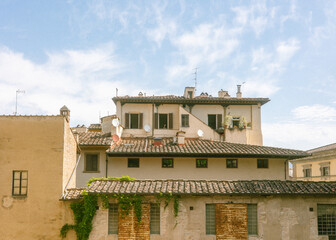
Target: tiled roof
198, 147
323, 148
94, 139
210, 187
95, 126
73, 194
182, 99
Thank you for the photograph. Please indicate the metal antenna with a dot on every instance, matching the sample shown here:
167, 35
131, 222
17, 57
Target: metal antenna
16, 98
195, 78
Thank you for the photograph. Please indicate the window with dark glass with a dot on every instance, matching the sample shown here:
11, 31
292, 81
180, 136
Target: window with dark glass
231, 163
167, 162
325, 171
113, 218
212, 121
210, 219
201, 163
262, 163
91, 162
326, 219
154, 218
20, 183
307, 172
163, 121
185, 120
134, 123
134, 120
133, 162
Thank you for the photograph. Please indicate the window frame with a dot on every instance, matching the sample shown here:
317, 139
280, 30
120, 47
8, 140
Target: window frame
210, 218
325, 171
165, 159
159, 120
261, 163
229, 162
128, 163
157, 218
252, 221
323, 228
200, 165
110, 221
86, 165
137, 122
20, 187
185, 120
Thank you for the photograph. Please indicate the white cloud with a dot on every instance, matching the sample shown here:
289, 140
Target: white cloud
286, 50
316, 113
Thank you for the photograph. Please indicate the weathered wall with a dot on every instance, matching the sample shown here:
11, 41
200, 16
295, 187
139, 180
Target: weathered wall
279, 218
185, 168
69, 156
35, 144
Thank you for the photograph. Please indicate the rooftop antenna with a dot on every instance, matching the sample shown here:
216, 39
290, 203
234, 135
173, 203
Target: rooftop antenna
16, 99
195, 78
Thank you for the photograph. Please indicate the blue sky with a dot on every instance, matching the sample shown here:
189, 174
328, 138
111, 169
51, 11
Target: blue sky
76, 53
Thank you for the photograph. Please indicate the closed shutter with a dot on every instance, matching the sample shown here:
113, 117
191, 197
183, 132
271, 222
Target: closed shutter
126, 120
219, 120
141, 121
156, 120
171, 121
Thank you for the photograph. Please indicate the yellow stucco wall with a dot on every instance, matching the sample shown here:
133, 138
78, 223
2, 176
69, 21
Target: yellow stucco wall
185, 168
36, 144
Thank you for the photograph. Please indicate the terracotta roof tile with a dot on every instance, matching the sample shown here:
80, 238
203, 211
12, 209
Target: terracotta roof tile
94, 139
199, 147
202, 187
95, 126
323, 148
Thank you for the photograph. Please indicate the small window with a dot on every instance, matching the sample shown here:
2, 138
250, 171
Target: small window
185, 120
212, 121
235, 122
201, 163
307, 172
325, 171
232, 163
210, 219
20, 183
252, 219
155, 218
91, 162
262, 163
133, 162
113, 218
167, 162
134, 123
163, 121
326, 219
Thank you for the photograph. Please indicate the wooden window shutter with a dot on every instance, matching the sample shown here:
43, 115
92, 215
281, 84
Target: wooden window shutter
141, 121
219, 120
127, 120
156, 120
170, 121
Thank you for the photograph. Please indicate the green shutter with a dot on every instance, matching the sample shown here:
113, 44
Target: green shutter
219, 121
156, 120
127, 120
141, 121
170, 121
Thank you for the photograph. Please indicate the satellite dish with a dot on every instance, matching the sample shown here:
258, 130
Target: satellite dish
147, 128
115, 122
200, 133
115, 138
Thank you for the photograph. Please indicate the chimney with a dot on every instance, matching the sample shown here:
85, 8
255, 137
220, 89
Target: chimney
157, 142
189, 92
65, 112
180, 137
223, 94
239, 93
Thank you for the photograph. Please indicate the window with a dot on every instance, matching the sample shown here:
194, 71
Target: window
185, 120
113, 218
20, 183
133, 120
155, 218
163, 121
201, 163
231, 163
325, 171
252, 219
307, 172
210, 219
133, 162
167, 162
326, 219
91, 162
212, 121
235, 122
262, 163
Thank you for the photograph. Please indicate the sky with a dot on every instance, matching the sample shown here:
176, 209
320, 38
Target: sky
76, 53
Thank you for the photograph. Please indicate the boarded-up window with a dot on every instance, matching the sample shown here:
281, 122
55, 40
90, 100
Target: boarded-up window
252, 219
113, 219
155, 218
20, 183
210, 219
326, 219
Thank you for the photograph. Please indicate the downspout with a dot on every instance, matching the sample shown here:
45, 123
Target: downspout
224, 136
286, 169
106, 167
73, 171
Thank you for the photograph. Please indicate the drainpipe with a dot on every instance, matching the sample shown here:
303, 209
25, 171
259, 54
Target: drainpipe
106, 167
286, 169
73, 171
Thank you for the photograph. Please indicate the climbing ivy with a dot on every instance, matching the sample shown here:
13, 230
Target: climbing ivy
85, 209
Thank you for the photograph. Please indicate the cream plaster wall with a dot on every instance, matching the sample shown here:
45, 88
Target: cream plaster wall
202, 111
185, 168
82, 176
279, 218
36, 144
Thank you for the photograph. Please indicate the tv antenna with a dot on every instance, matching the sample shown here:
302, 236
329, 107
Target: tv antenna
16, 99
195, 78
